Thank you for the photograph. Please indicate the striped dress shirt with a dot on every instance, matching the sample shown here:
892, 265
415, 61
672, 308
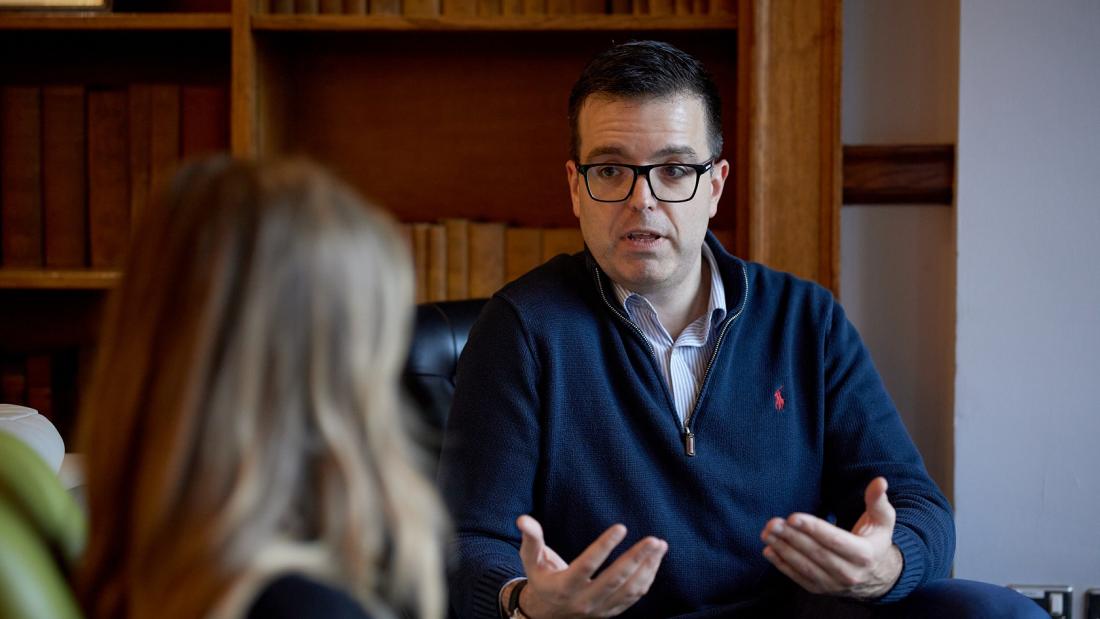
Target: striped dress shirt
683, 360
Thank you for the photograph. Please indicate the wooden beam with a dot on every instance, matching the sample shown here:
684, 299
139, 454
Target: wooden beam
899, 174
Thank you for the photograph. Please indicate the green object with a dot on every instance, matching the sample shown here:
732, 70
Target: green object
42, 532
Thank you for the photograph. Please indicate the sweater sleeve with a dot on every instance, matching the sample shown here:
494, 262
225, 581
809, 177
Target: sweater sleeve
865, 438
489, 459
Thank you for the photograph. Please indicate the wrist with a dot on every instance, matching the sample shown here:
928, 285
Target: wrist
509, 599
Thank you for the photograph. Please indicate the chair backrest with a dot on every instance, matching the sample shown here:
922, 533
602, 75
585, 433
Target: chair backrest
42, 532
438, 339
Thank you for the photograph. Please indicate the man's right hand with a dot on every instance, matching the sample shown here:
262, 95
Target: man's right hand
556, 589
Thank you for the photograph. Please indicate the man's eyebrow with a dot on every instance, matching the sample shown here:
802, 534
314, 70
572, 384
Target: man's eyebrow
675, 150
604, 150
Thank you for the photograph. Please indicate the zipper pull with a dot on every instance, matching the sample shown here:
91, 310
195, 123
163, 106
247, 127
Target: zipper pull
689, 442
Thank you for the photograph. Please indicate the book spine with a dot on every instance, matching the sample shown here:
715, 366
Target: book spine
108, 182
486, 259
460, 8
522, 251
63, 176
557, 241
661, 7
385, 7
437, 263
589, 7
559, 7
39, 385
204, 120
458, 258
332, 7
13, 381
534, 7
21, 176
164, 132
281, 6
512, 8
489, 8
421, 8
622, 7
307, 7
141, 135
420, 260
355, 7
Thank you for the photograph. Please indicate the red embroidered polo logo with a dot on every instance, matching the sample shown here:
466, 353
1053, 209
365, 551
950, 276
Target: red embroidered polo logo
779, 401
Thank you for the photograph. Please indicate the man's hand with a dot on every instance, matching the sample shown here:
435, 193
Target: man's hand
823, 558
557, 589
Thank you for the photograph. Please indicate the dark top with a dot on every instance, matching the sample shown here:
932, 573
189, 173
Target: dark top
294, 596
562, 412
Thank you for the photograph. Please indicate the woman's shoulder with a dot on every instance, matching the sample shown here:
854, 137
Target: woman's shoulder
294, 595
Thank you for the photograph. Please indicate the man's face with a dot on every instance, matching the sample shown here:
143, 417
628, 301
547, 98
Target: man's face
641, 243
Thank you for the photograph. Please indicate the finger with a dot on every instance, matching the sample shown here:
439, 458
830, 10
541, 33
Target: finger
623, 569
824, 576
848, 546
773, 557
639, 582
585, 565
878, 504
532, 544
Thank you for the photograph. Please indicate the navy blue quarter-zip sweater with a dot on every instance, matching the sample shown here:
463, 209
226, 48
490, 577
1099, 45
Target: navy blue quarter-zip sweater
561, 412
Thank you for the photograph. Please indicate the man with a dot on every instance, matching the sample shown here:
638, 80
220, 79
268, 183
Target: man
711, 432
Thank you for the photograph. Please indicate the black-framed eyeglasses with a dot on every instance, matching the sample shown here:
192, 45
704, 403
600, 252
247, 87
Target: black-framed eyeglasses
668, 182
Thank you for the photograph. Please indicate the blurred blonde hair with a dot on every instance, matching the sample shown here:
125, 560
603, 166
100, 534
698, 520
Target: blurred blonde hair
244, 417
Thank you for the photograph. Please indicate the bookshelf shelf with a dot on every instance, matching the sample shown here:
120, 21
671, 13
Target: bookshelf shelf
114, 21
560, 23
73, 279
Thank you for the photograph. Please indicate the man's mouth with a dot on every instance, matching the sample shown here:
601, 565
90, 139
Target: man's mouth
642, 236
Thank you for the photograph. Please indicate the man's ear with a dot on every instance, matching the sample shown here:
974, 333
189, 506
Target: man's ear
574, 186
718, 175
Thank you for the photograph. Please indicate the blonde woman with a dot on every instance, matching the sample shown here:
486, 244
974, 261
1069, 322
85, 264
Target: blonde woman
245, 451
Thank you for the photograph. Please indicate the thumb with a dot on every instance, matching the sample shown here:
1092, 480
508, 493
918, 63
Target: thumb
532, 544
879, 509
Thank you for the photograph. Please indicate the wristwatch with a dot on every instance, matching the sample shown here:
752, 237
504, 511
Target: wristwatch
514, 611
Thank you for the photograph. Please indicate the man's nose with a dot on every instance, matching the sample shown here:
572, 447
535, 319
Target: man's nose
641, 197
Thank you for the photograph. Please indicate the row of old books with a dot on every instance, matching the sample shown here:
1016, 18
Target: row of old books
458, 259
486, 8
45, 381
79, 163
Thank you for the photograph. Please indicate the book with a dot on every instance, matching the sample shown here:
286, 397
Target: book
723, 7
204, 120
21, 176
522, 251
559, 7
13, 381
421, 8
64, 203
385, 7
683, 7
357, 7
486, 263
458, 258
108, 181
661, 7
561, 241
460, 8
140, 136
489, 8
330, 7
281, 6
437, 263
164, 135
512, 8
39, 384
622, 7
534, 7
420, 260
589, 7
307, 7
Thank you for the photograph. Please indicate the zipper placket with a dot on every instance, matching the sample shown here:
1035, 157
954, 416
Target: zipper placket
689, 436
685, 427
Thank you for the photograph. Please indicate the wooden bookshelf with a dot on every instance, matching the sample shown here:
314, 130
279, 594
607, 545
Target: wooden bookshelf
114, 21
57, 279
433, 118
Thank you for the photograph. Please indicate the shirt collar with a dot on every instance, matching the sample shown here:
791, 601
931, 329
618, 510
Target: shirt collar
716, 308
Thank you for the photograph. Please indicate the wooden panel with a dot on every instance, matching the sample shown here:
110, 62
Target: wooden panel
899, 174
114, 21
503, 23
243, 140
427, 126
789, 137
73, 279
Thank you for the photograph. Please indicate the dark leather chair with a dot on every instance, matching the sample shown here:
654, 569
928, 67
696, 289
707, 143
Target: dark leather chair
439, 336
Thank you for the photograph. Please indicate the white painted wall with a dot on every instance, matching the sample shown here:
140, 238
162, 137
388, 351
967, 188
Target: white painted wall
900, 86
1027, 426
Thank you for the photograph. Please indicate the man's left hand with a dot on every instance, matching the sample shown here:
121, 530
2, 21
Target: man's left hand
825, 559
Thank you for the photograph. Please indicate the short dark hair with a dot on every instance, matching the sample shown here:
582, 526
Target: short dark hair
646, 70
